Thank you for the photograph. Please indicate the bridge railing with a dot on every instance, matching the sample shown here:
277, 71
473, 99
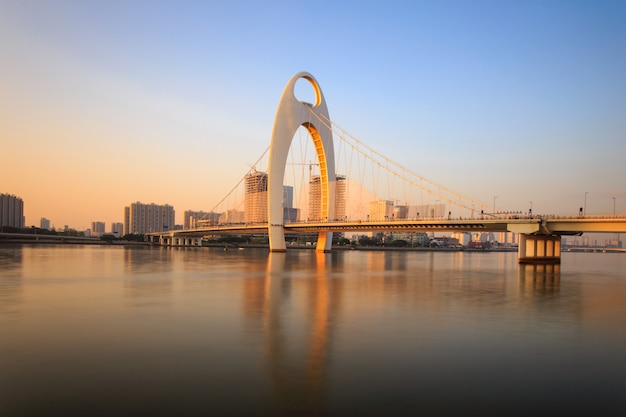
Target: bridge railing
487, 217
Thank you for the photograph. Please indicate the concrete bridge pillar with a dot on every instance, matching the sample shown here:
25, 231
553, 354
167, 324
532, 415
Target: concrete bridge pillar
193, 241
539, 249
171, 240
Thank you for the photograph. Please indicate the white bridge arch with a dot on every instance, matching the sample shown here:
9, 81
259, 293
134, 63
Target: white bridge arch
291, 115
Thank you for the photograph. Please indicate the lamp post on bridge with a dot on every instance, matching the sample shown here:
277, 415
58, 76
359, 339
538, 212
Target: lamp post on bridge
531, 208
585, 206
617, 243
613, 206
494, 204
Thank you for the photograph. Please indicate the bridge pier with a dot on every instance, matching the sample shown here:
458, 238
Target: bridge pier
186, 241
172, 240
276, 234
539, 249
324, 242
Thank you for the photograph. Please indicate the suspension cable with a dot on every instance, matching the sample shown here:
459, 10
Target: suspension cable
463, 201
234, 189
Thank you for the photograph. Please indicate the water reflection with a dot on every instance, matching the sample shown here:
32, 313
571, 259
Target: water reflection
10, 280
141, 260
148, 291
155, 331
142, 285
539, 279
296, 352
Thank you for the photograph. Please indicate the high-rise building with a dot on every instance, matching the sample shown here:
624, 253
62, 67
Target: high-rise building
44, 223
287, 196
315, 198
11, 211
147, 218
126, 220
255, 198
340, 197
97, 228
290, 213
117, 229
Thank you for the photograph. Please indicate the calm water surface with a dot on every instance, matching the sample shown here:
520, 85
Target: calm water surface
103, 331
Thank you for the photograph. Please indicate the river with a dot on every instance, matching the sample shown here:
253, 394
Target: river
103, 331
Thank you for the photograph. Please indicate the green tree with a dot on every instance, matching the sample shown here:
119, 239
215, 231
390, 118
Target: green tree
108, 238
368, 241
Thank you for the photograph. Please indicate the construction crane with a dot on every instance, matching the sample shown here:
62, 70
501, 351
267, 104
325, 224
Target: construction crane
310, 164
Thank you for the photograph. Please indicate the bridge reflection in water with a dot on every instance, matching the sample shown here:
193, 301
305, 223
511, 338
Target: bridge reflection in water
296, 355
540, 278
216, 332
300, 318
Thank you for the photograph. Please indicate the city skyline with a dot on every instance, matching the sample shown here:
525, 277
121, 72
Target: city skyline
170, 103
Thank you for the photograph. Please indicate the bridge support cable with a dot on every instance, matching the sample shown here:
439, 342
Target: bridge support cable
234, 190
449, 196
375, 157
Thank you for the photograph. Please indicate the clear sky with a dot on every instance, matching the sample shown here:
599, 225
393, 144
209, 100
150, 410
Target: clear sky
104, 103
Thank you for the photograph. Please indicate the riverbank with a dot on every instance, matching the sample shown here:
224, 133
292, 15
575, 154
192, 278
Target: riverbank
12, 238
364, 248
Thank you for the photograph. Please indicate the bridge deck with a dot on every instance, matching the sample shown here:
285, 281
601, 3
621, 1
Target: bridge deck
562, 225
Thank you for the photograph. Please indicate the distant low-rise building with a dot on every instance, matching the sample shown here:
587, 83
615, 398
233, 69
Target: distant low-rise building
44, 223
232, 216
193, 218
464, 238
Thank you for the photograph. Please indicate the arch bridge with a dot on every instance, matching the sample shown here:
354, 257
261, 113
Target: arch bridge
540, 236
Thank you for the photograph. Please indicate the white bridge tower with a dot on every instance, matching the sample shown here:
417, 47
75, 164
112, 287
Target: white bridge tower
292, 114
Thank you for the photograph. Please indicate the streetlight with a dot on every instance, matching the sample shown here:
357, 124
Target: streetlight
617, 234
613, 206
531, 207
494, 203
585, 206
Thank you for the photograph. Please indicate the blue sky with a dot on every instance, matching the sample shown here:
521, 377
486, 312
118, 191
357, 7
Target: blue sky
106, 103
